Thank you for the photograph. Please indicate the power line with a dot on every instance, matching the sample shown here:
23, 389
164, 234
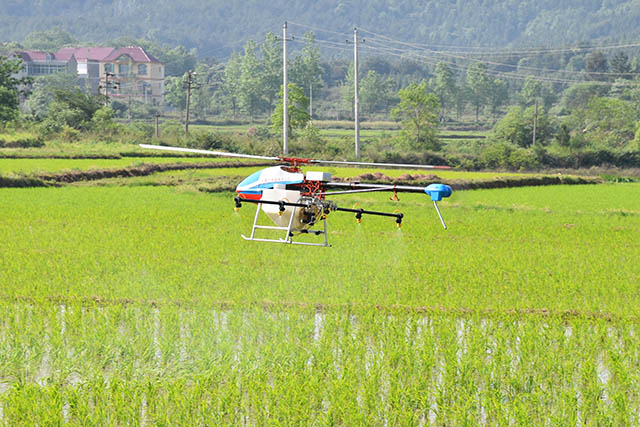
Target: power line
506, 75
502, 51
499, 64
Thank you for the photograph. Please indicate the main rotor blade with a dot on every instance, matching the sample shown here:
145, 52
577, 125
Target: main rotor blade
207, 152
388, 165
291, 160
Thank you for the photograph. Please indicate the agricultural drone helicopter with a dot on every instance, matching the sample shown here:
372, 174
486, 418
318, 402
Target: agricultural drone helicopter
296, 201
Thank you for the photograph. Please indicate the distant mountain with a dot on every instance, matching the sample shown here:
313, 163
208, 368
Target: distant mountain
217, 27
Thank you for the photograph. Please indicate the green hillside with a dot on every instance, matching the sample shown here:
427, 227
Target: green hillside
217, 27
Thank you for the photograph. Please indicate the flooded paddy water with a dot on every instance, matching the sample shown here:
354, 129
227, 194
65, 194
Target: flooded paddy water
248, 365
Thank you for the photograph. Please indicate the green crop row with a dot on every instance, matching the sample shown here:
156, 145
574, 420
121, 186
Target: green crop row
139, 364
557, 248
30, 166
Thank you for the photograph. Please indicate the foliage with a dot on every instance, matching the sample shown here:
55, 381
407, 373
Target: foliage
498, 96
579, 94
298, 106
605, 122
72, 108
418, 112
536, 90
49, 40
306, 70
189, 23
444, 86
20, 140
250, 94
174, 92
479, 85
516, 127
375, 93
620, 64
10, 88
42, 91
596, 65
271, 69
502, 155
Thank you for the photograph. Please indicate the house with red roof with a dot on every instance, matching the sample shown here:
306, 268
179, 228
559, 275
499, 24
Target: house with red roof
88, 63
126, 73
140, 76
39, 63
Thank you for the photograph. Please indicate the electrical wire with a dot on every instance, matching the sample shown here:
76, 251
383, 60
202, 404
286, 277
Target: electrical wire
499, 64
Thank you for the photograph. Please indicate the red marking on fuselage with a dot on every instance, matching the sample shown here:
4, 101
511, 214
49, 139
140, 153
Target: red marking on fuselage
250, 196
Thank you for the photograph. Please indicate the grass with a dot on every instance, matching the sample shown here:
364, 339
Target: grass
119, 364
38, 165
143, 305
343, 129
16, 136
528, 248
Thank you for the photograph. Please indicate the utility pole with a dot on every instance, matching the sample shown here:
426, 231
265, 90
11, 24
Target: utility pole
355, 88
106, 86
285, 92
189, 83
535, 123
311, 102
156, 127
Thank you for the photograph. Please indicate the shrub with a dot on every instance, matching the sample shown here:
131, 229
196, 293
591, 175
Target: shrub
10, 141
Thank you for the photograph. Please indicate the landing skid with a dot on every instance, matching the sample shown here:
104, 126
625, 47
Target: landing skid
289, 231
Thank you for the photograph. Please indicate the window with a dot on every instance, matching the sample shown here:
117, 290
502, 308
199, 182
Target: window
123, 69
108, 68
44, 69
142, 69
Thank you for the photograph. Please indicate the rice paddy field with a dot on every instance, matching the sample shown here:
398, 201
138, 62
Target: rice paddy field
142, 305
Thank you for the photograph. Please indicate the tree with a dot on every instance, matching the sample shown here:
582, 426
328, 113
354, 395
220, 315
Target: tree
536, 90
72, 107
620, 65
375, 92
251, 91
306, 69
579, 94
49, 40
297, 104
479, 85
418, 111
231, 82
609, 122
271, 75
177, 60
461, 99
42, 90
347, 93
516, 127
498, 96
174, 92
209, 80
10, 88
444, 86
596, 64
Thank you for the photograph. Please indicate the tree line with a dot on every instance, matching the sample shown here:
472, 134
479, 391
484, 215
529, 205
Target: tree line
599, 113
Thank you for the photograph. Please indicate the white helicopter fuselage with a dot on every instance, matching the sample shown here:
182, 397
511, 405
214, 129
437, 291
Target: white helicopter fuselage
270, 184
